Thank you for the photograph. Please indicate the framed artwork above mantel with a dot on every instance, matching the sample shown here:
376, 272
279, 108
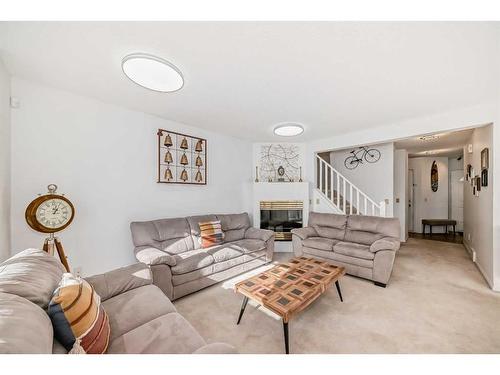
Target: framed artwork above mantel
182, 158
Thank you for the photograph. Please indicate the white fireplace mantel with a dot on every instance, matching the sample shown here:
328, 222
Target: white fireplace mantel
266, 191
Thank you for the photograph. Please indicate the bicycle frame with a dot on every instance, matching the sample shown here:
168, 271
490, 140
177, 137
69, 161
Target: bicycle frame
362, 149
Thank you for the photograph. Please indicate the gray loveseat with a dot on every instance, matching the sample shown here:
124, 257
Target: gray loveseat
141, 317
365, 245
171, 247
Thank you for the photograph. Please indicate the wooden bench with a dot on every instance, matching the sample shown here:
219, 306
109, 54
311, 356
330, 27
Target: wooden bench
438, 222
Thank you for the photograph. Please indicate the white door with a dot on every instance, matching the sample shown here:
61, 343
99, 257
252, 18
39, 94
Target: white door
457, 198
411, 198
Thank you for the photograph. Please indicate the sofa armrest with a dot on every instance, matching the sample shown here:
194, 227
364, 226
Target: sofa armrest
385, 243
305, 232
259, 234
119, 281
216, 348
152, 256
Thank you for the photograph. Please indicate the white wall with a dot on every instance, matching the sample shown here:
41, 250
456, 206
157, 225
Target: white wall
456, 191
374, 179
401, 190
428, 204
4, 162
104, 158
478, 215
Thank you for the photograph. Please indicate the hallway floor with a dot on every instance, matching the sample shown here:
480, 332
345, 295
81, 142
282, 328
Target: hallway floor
443, 237
436, 302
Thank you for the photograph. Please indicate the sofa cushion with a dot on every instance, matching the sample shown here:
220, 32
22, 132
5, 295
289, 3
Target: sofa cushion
319, 243
216, 267
169, 333
368, 229
80, 323
354, 250
171, 235
24, 327
328, 225
248, 245
192, 260
234, 225
333, 256
224, 252
32, 274
132, 309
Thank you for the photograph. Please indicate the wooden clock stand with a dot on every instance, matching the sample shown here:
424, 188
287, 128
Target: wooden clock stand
52, 242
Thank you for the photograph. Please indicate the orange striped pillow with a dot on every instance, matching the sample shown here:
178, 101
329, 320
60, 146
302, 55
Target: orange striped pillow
211, 233
80, 323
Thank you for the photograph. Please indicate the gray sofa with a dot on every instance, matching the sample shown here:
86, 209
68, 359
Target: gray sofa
171, 247
365, 245
141, 317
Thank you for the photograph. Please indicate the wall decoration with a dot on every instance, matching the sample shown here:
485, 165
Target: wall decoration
468, 171
485, 158
280, 162
371, 155
434, 177
484, 177
478, 183
182, 159
281, 173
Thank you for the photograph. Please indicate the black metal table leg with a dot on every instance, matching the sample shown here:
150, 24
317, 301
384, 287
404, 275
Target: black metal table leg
337, 284
243, 305
285, 330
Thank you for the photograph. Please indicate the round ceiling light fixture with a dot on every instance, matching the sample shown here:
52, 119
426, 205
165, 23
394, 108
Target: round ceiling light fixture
152, 73
288, 129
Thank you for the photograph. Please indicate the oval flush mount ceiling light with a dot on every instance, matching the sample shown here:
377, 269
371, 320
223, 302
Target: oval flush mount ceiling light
151, 72
289, 129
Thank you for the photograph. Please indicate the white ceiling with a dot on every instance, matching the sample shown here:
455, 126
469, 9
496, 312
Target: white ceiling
243, 77
446, 144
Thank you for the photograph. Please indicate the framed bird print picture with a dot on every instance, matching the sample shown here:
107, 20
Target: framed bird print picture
182, 158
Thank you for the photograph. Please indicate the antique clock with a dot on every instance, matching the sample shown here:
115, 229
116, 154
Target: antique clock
51, 213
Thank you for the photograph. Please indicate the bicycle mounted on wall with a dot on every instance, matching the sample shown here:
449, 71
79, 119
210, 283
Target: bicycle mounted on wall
371, 155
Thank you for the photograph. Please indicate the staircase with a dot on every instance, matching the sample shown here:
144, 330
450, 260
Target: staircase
342, 195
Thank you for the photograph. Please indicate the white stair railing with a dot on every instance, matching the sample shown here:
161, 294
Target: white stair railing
343, 194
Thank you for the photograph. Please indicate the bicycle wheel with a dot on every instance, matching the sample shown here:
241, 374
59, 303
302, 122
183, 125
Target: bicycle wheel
372, 155
351, 162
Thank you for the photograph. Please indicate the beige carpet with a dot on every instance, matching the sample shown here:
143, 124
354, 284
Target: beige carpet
436, 302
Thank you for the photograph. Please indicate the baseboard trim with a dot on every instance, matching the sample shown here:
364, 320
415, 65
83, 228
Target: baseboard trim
471, 250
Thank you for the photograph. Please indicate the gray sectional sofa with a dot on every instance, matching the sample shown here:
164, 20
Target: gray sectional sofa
171, 247
141, 317
365, 245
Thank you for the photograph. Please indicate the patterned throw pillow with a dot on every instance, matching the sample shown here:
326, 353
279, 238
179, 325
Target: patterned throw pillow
80, 323
211, 233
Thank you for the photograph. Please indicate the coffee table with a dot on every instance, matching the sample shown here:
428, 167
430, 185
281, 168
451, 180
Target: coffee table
290, 287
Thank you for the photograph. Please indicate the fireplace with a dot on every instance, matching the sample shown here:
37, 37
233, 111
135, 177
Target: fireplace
281, 217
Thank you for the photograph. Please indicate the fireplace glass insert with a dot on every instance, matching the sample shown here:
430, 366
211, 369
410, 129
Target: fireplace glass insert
281, 217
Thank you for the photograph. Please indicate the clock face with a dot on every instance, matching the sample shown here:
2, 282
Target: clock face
54, 213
